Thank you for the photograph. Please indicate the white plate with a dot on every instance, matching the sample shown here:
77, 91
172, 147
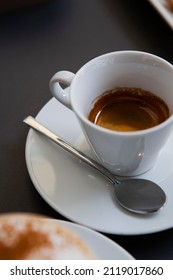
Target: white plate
162, 7
80, 193
103, 247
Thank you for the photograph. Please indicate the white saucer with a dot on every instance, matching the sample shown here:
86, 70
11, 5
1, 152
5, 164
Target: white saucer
80, 193
103, 247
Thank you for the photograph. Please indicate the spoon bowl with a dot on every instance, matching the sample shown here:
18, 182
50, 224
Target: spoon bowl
139, 196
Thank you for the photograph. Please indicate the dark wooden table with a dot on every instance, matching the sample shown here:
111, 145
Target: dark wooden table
64, 34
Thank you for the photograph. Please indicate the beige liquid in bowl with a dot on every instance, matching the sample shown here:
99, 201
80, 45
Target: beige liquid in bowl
30, 237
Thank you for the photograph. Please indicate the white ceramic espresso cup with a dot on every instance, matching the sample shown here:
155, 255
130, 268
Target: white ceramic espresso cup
123, 153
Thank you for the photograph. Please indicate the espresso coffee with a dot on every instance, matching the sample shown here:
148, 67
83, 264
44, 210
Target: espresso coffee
128, 109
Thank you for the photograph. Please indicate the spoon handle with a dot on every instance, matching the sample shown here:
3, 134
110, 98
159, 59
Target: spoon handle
68, 147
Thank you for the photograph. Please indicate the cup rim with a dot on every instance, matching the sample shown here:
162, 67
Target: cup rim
114, 132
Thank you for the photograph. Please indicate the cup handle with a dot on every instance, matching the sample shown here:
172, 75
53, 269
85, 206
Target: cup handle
62, 95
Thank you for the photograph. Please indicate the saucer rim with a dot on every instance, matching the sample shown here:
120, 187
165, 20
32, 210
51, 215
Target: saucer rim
77, 228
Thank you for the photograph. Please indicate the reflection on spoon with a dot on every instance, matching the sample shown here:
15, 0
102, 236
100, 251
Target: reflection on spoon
136, 195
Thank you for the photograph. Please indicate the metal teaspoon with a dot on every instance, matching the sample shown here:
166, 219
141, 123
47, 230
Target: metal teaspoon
136, 195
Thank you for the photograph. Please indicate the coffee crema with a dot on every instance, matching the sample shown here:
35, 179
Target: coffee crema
128, 109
